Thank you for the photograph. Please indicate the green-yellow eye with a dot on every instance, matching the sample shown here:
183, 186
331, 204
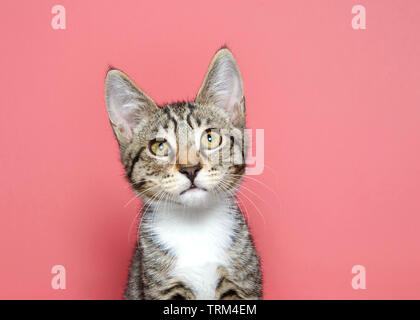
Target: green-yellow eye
159, 148
211, 139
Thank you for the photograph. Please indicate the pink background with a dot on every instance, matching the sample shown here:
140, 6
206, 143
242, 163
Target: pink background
340, 109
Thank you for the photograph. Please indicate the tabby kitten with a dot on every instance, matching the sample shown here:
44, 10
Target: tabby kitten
185, 160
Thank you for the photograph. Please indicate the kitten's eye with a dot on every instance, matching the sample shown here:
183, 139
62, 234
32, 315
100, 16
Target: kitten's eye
211, 139
159, 148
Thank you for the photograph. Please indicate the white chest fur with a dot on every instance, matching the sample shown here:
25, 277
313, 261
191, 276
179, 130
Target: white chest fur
199, 238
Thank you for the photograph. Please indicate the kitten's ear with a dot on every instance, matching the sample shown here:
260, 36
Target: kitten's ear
223, 87
126, 104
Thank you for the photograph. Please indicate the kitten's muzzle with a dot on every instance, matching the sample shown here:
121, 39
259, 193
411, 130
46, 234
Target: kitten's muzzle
192, 187
191, 172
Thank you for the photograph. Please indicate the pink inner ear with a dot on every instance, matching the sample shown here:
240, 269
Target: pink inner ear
124, 132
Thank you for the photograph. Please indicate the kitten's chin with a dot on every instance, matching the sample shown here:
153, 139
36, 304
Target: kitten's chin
195, 198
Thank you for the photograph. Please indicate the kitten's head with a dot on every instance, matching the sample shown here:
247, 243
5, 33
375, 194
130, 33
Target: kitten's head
189, 153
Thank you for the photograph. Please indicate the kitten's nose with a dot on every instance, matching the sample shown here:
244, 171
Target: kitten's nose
190, 171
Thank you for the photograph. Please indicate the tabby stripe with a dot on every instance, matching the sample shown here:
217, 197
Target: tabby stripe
191, 107
133, 163
222, 281
229, 294
173, 288
137, 186
235, 142
171, 118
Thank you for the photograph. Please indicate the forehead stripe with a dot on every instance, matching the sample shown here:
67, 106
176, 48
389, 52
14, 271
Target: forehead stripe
171, 118
191, 107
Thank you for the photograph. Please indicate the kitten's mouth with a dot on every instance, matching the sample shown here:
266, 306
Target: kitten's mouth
192, 187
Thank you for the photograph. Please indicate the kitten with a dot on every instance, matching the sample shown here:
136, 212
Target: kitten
186, 160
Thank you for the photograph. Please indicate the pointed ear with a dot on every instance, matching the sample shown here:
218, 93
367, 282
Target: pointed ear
223, 87
126, 104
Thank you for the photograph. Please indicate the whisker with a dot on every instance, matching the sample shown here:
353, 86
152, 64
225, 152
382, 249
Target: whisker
252, 202
237, 201
138, 195
139, 213
254, 179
